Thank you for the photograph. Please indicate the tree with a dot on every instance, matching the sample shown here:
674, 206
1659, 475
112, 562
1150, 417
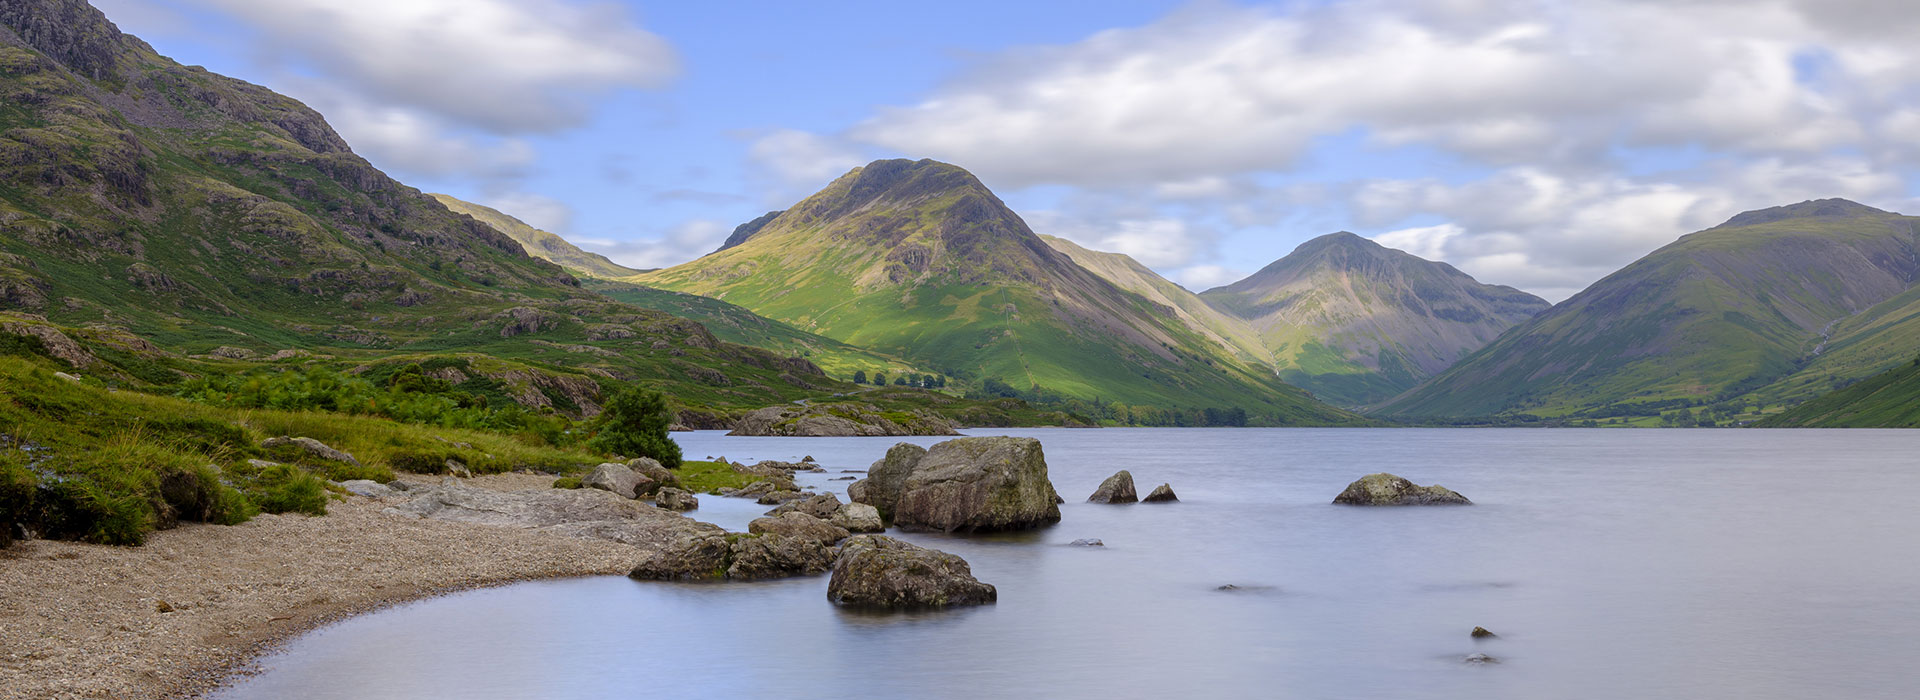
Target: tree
634, 423
859, 376
900, 380
879, 379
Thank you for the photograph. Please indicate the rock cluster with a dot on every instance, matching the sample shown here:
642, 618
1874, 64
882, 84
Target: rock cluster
1388, 490
976, 484
876, 571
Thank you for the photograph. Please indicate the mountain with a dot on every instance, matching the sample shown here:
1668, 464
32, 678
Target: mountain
159, 222
1888, 400
1128, 274
920, 260
745, 231
540, 244
1752, 304
1356, 322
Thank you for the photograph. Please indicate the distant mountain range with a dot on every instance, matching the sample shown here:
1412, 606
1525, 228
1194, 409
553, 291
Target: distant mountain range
540, 244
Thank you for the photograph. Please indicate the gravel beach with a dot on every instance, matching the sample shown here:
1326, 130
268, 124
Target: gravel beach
197, 603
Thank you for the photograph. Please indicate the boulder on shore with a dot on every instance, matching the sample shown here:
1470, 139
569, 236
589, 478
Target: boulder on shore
876, 571
841, 420
798, 525
1116, 489
1388, 490
675, 499
1161, 494
975, 484
310, 446
617, 478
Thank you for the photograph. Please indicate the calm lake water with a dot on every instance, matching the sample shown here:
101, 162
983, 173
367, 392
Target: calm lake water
1613, 563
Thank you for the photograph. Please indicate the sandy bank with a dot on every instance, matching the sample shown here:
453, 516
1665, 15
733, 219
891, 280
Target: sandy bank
84, 621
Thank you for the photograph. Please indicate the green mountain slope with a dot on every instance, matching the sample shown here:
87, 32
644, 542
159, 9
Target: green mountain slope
540, 244
735, 324
1357, 323
152, 213
1888, 400
1126, 273
1711, 317
919, 260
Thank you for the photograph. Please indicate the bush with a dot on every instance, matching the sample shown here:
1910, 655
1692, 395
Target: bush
16, 498
634, 424
197, 494
283, 488
80, 509
567, 482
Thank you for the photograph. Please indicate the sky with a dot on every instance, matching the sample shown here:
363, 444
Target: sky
1535, 144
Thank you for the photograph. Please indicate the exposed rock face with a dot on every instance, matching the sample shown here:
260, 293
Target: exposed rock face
1116, 489
1388, 490
877, 571
675, 499
616, 478
980, 484
1161, 494
821, 506
859, 517
312, 447
710, 556
798, 525
840, 420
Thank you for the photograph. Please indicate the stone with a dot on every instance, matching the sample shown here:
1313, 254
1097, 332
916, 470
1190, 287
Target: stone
1483, 633
858, 517
843, 478
710, 556
876, 571
1388, 490
688, 558
808, 459
366, 487
777, 556
579, 513
1116, 489
1089, 542
775, 497
1480, 660
66, 377
675, 499
821, 505
1161, 494
458, 468
613, 477
653, 476
310, 446
976, 484
798, 525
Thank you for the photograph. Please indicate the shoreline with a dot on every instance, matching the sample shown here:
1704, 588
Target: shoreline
85, 621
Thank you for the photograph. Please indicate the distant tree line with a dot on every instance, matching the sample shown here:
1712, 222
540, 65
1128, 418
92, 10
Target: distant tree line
924, 381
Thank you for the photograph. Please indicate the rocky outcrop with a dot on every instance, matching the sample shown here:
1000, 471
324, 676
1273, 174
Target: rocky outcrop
1388, 490
876, 571
821, 506
841, 420
859, 517
310, 446
367, 487
714, 556
1116, 489
1161, 494
980, 484
798, 525
584, 513
616, 478
675, 499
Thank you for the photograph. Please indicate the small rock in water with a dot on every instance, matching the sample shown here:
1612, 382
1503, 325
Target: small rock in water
842, 478
1161, 494
1480, 660
1385, 489
807, 458
853, 471
1482, 633
1116, 489
1226, 587
1088, 542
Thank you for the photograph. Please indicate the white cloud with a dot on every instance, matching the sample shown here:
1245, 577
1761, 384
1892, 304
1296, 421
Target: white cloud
683, 242
414, 141
1200, 278
537, 210
1154, 241
800, 162
504, 65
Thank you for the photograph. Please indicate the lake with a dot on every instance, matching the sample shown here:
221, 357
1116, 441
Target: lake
1612, 563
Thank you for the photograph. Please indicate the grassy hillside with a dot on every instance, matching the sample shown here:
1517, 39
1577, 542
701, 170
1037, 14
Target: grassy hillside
1888, 400
1358, 323
1123, 271
919, 260
540, 244
1707, 320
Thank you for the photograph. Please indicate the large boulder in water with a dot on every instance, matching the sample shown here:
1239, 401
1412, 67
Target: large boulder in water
859, 517
876, 571
822, 506
976, 484
798, 525
1388, 490
1116, 489
714, 556
1161, 494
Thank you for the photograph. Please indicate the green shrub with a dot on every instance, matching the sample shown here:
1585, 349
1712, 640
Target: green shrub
343, 471
567, 482
634, 424
284, 488
80, 509
17, 485
196, 493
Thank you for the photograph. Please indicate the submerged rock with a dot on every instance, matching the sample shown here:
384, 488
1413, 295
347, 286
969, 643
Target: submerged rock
1116, 489
876, 571
1088, 542
977, 484
1388, 490
1480, 660
1161, 494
